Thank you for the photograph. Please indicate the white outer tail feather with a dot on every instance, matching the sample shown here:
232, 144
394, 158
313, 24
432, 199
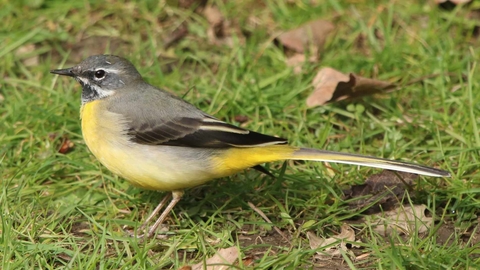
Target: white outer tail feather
345, 158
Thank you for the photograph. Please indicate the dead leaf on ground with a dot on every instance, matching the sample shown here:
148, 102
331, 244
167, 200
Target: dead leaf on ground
66, 146
213, 16
248, 261
221, 31
382, 191
332, 85
311, 34
240, 118
331, 249
223, 259
404, 219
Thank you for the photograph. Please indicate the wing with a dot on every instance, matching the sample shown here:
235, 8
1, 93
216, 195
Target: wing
160, 118
194, 132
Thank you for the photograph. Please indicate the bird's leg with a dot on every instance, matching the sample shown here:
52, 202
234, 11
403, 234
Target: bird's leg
177, 195
155, 211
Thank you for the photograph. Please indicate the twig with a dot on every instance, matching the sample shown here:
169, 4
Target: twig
268, 221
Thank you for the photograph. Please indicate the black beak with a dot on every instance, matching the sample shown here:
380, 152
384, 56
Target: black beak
65, 72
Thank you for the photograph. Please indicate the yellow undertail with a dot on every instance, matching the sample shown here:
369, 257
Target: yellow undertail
236, 159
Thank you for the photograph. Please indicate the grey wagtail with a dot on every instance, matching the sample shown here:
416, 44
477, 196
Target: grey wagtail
158, 141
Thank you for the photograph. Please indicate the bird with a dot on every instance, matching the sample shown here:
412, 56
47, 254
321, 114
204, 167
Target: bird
158, 141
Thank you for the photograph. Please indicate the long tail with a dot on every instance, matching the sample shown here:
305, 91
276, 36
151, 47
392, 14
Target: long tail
329, 156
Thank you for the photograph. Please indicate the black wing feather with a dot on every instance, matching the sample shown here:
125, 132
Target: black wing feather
165, 119
188, 132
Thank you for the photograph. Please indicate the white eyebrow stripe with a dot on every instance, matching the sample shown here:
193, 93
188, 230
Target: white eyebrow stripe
108, 70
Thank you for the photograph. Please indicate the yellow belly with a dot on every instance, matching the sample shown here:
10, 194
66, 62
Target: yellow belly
163, 168
160, 167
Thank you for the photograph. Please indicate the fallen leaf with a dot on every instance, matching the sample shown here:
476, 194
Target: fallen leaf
248, 261
241, 118
215, 20
332, 85
221, 31
66, 146
381, 191
329, 250
313, 33
213, 15
325, 83
223, 259
404, 219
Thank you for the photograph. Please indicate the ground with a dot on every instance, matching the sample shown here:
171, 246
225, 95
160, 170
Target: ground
62, 209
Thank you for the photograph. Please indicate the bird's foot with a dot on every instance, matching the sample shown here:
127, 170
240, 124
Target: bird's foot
141, 233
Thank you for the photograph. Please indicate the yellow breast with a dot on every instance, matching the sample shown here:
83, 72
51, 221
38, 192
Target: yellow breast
102, 132
155, 167
161, 167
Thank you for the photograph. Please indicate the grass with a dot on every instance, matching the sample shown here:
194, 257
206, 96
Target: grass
67, 211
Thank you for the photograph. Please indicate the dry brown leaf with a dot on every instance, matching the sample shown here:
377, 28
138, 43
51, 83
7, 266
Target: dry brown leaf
324, 84
66, 146
223, 259
215, 19
248, 261
381, 191
332, 85
346, 234
240, 118
213, 15
221, 31
313, 33
404, 219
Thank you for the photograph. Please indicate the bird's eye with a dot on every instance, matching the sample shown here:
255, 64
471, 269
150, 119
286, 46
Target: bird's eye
99, 74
